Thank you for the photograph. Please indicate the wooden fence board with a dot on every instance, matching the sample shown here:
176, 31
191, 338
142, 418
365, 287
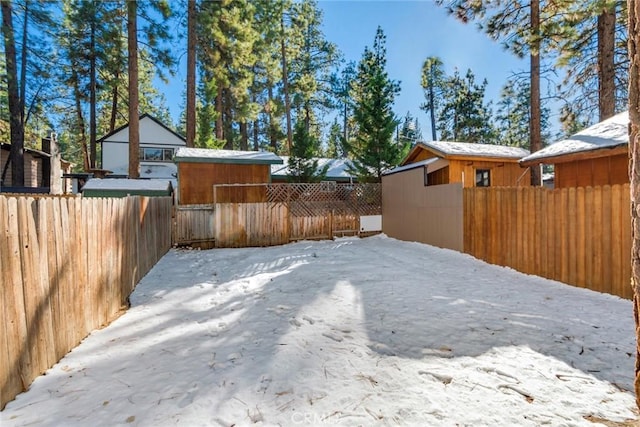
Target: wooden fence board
63, 262
580, 236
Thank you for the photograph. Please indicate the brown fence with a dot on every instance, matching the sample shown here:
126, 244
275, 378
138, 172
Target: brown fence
580, 236
288, 213
67, 267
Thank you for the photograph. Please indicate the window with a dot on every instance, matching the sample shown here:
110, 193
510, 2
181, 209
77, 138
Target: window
156, 154
483, 177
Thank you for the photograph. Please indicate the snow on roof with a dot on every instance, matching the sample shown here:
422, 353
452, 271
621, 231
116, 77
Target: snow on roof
206, 155
338, 168
412, 165
449, 148
609, 133
127, 184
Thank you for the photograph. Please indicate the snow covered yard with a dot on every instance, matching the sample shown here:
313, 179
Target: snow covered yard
347, 332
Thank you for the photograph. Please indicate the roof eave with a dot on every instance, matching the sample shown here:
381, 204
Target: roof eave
228, 161
578, 155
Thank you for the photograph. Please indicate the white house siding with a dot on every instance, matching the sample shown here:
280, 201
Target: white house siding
115, 150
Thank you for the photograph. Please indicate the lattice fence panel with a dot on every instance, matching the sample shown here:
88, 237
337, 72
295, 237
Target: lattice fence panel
322, 198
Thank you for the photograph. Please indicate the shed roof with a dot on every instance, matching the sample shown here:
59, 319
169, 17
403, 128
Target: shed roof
127, 184
338, 168
452, 150
437, 162
206, 155
602, 137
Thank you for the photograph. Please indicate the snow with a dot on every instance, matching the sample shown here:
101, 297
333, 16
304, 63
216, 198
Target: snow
448, 148
410, 166
337, 169
348, 332
609, 133
229, 156
127, 184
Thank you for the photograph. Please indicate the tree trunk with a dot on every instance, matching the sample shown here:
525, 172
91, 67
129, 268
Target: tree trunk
114, 104
134, 124
606, 64
15, 114
634, 172
285, 86
92, 97
256, 135
79, 117
273, 138
535, 130
191, 73
219, 111
432, 113
244, 136
228, 121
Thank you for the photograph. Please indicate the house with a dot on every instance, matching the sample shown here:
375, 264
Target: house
337, 170
473, 165
122, 187
158, 144
199, 169
597, 155
37, 170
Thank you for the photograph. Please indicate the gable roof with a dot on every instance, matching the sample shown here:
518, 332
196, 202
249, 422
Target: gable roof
465, 150
610, 136
206, 155
143, 116
337, 168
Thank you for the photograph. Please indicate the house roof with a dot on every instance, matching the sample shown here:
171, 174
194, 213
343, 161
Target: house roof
143, 116
453, 150
437, 162
337, 168
206, 155
127, 184
34, 152
594, 141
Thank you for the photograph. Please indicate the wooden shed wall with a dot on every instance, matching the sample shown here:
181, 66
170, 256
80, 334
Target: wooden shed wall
503, 174
32, 169
610, 170
196, 181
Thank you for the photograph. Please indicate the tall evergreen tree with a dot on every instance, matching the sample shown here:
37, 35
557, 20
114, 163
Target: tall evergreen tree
303, 163
524, 27
433, 83
464, 116
513, 112
373, 149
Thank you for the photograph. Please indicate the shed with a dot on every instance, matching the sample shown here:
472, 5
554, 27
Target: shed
597, 155
472, 164
199, 169
337, 170
122, 187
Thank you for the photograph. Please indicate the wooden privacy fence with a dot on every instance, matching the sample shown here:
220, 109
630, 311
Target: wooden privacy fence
282, 213
580, 236
67, 267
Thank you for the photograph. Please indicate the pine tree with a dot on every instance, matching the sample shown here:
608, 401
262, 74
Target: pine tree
303, 164
334, 147
409, 131
433, 83
512, 115
463, 114
373, 92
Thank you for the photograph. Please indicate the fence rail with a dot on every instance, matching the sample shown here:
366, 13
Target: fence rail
67, 267
580, 236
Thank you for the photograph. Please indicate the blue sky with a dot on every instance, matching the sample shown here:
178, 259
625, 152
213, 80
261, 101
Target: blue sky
415, 30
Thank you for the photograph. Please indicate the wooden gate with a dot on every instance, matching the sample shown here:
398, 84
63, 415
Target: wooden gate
194, 225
